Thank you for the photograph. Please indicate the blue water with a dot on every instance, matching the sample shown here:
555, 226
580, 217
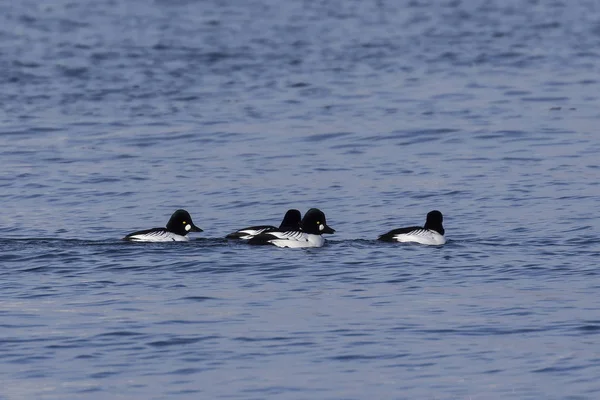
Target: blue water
115, 114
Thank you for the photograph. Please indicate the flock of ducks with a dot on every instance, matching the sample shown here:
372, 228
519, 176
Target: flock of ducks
293, 232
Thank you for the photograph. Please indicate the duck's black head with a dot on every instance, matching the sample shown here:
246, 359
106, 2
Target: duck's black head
181, 223
434, 221
314, 222
291, 221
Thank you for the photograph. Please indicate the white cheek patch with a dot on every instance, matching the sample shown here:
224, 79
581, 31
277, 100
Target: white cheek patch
188, 227
321, 227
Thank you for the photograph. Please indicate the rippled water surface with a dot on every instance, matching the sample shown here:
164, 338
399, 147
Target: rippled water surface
114, 114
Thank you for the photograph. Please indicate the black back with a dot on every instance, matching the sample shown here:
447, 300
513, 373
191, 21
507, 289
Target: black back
144, 232
389, 237
261, 239
239, 234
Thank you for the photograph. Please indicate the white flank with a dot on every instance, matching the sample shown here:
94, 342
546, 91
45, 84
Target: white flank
422, 236
160, 236
297, 239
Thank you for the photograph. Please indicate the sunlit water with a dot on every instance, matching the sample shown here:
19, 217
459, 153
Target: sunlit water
113, 115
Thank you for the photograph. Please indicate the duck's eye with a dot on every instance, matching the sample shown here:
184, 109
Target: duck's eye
184, 222
318, 222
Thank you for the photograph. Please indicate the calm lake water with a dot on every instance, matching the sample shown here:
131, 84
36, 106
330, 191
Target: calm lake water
115, 114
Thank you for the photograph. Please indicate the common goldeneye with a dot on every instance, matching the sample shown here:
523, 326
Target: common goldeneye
309, 235
179, 225
291, 222
431, 234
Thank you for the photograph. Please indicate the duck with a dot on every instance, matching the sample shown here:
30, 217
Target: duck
177, 229
431, 234
312, 227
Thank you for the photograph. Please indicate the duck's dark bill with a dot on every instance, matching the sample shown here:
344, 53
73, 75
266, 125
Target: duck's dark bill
327, 229
195, 229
